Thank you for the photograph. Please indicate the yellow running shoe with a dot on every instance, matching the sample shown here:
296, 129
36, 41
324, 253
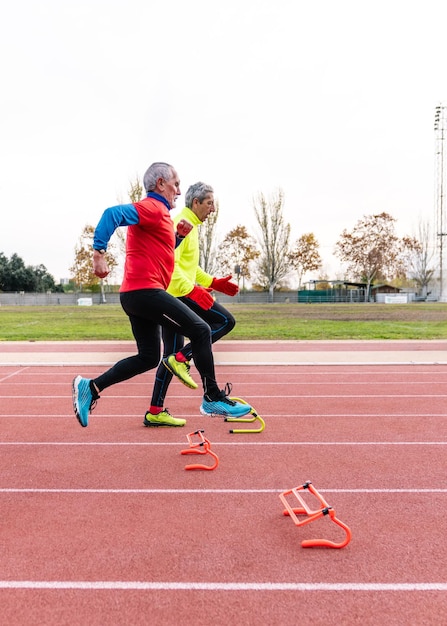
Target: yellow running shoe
179, 369
164, 418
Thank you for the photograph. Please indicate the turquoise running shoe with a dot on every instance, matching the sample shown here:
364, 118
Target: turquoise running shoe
83, 400
223, 405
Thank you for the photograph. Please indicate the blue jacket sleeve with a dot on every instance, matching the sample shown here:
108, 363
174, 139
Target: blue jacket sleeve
111, 219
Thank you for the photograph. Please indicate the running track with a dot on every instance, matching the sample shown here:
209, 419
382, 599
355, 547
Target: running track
103, 525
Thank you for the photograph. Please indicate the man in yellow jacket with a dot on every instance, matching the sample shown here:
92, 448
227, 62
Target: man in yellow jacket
192, 285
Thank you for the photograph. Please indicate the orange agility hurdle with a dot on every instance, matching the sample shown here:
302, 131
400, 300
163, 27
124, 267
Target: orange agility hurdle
312, 514
199, 444
249, 418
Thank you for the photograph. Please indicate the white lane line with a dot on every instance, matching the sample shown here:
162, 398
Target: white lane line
360, 374
23, 362
394, 396
220, 586
357, 416
216, 491
326, 383
13, 374
223, 443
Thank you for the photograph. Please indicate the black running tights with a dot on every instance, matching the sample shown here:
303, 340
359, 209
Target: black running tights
148, 310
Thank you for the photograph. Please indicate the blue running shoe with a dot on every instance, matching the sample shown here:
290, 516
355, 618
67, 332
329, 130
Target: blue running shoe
223, 405
83, 400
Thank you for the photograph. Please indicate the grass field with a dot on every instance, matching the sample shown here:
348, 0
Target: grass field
254, 321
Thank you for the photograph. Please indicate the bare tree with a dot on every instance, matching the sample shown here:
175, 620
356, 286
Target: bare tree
304, 256
207, 242
418, 257
236, 253
371, 249
136, 190
273, 264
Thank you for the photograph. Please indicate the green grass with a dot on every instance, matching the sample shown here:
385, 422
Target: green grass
254, 321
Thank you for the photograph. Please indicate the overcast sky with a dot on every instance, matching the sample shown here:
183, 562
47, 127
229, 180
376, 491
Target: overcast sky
332, 101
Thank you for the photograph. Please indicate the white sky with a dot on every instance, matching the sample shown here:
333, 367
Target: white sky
333, 101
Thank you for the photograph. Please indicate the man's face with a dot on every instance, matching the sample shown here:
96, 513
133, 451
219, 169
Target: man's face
169, 188
203, 209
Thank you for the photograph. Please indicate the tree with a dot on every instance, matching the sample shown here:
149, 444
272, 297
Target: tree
372, 249
207, 242
136, 190
15, 276
3, 271
236, 253
20, 277
43, 281
304, 256
273, 264
82, 268
418, 257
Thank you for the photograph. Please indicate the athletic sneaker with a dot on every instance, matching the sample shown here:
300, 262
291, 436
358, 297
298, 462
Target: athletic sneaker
83, 400
164, 418
223, 405
179, 369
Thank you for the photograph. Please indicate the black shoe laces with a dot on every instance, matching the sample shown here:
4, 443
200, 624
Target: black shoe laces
224, 393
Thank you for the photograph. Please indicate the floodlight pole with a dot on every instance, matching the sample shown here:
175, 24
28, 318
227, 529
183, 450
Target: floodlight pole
441, 225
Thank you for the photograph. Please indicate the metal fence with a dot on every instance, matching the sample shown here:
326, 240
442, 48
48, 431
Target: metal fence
50, 299
70, 299
245, 297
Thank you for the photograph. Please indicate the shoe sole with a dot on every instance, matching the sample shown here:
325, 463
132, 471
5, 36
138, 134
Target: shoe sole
182, 380
75, 408
155, 425
213, 414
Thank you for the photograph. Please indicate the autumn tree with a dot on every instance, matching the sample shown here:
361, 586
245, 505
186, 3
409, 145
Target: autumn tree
207, 242
273, 264
371, 250
304, 256
236, 254
82, 268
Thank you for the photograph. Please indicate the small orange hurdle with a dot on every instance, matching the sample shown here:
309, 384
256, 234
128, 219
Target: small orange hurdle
200, 442
324, 509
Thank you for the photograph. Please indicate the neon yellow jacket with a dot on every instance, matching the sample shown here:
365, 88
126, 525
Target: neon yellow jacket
187, 271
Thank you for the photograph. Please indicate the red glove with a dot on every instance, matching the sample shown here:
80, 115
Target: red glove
202, 296
184, 228
225, 286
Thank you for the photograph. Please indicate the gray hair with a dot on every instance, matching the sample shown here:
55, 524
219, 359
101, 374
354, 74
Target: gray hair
154, 172
199, 191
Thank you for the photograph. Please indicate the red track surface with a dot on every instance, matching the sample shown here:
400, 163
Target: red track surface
103, 525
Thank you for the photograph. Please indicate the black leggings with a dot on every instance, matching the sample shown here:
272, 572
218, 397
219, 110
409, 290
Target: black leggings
148, 309
218, 319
